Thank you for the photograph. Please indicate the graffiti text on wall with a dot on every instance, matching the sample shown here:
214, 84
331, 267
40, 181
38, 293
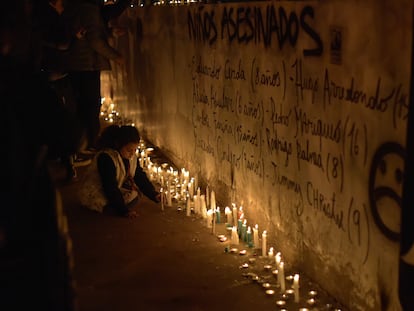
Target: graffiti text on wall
269, 26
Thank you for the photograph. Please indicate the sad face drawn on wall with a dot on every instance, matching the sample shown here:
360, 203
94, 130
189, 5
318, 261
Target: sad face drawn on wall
385, 188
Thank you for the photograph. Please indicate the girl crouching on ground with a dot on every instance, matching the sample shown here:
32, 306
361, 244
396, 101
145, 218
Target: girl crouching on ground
115, 180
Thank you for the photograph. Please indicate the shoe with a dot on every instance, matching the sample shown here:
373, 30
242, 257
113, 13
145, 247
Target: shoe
79, 161
88, 151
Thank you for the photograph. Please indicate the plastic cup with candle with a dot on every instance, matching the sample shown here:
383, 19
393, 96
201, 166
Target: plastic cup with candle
266, 285
311, 301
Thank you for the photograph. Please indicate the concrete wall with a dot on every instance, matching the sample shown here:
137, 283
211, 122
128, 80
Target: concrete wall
295, 110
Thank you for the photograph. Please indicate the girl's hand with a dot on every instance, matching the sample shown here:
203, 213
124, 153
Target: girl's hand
80, 34
131, 214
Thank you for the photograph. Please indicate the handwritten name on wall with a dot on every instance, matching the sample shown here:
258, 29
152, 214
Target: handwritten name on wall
272, 122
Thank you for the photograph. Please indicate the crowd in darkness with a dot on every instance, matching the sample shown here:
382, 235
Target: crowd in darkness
50, 95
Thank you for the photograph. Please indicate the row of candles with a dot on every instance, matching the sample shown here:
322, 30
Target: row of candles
180, 187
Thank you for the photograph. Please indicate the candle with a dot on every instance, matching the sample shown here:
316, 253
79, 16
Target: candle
266, 285
311, 301
278, 259
256, 236
209, 218
267, 267
244, 231
190, 187
234, 236
213, 201
197, 201
270, 253
218, 218
229, 218
239, 226
208, 196
296, 287
188, 208
234, 214
169, 199
281, 274
162, 198
203, 206
240, 213
249, 236
196, 204
213, 219
264, 242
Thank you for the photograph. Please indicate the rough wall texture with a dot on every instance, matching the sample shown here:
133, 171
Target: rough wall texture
295, 110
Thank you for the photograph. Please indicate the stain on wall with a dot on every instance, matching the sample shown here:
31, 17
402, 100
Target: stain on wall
296, 110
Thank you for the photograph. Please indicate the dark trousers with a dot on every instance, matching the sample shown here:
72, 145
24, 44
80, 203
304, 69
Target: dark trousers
87, 88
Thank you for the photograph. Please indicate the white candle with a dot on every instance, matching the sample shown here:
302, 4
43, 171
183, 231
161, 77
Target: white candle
208, 197
278, 258
213, 201
203, 206
270, 253
188, 210
264, 243
296, 287
198, 207
169, 199
234, 214
256, 236
191, 187
241, 213
229, 218
196, 204
234, 236
209, 218
281, 273
162, 198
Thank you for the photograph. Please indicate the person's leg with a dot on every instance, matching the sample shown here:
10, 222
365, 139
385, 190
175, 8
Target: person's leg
91, 106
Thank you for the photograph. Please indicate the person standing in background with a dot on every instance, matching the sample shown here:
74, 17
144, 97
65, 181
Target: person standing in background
87, 58
56, 40
36, 258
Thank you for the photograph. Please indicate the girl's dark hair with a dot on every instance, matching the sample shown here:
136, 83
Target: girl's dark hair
115, 136
128, 134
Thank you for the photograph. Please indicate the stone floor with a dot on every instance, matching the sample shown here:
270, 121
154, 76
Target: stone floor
165, 260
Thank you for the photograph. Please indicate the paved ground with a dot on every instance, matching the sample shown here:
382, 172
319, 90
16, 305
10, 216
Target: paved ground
165, 260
